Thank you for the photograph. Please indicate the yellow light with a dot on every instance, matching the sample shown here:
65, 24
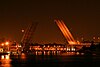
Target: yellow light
73, 49
2, 44
2, 57
7, 43
7, 56
72, 42
19, 46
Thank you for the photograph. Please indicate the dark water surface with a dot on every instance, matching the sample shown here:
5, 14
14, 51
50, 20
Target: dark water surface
49, 60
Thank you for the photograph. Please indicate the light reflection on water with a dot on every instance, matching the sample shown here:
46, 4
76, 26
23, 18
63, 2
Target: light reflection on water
5, 61
47, 52
23, 56
59, 59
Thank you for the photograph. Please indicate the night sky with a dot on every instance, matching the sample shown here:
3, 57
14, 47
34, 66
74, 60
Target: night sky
81, 16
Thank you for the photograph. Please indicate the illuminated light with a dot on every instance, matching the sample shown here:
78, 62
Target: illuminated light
78, 42
7, 43
23, 31
7, 56
16, 46
48, 52
59, 46
67, 49
54, 51
73, 49
44, 46
19, 46
71, 42
64, 48
23, 56
82, 53
44, 53
71, 53
57, 52
2, 44
1, 49
36, 53
77, 53
93, 37
2, 57
48, 45
98, 37
36, 48
8, 52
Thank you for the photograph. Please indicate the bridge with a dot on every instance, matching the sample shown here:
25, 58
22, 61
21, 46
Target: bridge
26, 40
67, 34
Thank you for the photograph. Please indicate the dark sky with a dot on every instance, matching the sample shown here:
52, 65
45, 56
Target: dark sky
81, 16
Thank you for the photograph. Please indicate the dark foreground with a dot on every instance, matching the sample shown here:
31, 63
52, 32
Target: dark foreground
50, 61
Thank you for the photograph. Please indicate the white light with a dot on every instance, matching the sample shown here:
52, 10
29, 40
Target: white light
8, 52
7, 56
7, 43
2, 44
2, 57
23, 31
19, 46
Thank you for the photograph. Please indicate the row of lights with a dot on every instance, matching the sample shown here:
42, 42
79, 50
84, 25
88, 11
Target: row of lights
49, 46
6, 43
4, 56
71, 49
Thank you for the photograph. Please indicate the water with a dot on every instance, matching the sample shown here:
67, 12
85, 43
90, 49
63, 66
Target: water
60, 60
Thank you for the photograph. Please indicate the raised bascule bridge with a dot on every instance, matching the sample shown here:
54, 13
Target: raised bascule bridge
67, 34
72, 45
